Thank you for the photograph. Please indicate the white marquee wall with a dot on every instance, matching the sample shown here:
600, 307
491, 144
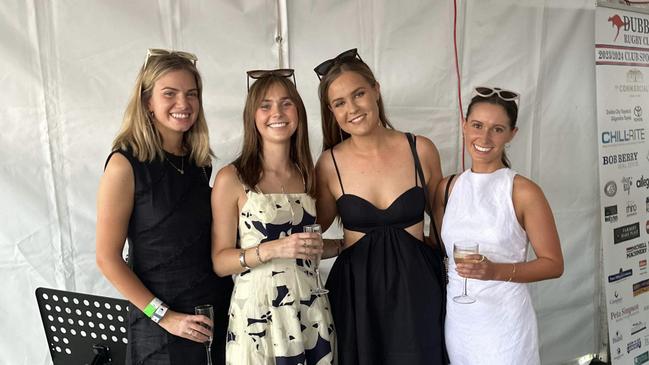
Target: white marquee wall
67, 68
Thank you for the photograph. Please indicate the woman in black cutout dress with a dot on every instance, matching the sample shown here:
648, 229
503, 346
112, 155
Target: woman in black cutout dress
385, 287
155, 192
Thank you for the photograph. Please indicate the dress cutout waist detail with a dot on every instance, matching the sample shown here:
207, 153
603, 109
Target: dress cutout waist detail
359, 214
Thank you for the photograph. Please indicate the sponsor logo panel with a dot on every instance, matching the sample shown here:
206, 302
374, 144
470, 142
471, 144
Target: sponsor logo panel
618, 353
635, 250
623, 136
627, 184
621, 275
635, 344
638, 327
631, 208
621, 160
610, 189
637, 114
642, 182
617, 338
617, 299
610, 214
640, 287
625, 233
625, 312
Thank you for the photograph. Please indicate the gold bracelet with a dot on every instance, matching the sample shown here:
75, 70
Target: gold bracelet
513, 272
258, 255
242, 259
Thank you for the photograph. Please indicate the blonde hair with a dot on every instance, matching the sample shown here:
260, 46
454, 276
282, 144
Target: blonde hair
138, 132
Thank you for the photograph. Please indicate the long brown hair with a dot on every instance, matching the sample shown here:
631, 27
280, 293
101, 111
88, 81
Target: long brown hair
138, 132
331, 132
249, 164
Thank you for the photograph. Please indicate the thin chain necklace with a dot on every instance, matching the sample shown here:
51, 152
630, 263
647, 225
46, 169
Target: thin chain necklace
181, 170
290, 205
288, 200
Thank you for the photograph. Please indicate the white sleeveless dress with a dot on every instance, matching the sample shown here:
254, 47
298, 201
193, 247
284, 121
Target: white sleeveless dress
500, 327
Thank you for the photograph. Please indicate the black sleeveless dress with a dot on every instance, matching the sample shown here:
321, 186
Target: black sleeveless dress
169, 251
385, 293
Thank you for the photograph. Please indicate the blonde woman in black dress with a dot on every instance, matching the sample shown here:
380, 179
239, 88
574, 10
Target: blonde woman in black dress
155, 193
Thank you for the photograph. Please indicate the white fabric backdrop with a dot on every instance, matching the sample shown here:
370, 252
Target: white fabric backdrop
67, 69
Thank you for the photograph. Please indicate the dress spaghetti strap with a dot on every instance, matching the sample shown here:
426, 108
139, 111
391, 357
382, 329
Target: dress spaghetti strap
337, 171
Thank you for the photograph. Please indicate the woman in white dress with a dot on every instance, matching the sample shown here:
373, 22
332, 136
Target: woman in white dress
492, 205
261, 202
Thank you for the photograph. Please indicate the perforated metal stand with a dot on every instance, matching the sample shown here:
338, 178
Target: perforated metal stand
83, 329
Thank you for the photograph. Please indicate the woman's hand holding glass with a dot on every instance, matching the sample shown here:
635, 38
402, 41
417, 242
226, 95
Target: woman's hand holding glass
465, 252
306, 246
476, 267
196, 328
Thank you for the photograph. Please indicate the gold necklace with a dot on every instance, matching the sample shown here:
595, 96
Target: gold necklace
181, 170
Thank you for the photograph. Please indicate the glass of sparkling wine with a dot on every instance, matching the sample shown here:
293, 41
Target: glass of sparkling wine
207, 311
463, 252
315, 228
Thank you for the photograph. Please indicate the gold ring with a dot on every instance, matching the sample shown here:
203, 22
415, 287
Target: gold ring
482, 259
304, 244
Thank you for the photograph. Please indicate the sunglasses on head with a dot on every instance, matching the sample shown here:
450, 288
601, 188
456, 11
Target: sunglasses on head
261, 74
506, 95
156, 52
322, 69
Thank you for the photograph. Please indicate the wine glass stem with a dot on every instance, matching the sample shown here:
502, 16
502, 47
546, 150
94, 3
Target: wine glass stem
317, 278
209, 354
464, 288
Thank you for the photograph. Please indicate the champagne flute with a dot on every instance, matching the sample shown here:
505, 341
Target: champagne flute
207, 311
462, 252
315, 228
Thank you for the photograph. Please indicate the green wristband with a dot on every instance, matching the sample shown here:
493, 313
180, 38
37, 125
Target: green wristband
152, 307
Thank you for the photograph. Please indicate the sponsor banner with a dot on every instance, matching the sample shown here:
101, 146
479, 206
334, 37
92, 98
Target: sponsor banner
641, 287
621, 275
621, 160
636, 250
625, 233
635, 344
638, 327
610, 214
622, 79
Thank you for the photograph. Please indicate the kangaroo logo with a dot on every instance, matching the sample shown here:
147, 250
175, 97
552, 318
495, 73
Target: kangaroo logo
616, 21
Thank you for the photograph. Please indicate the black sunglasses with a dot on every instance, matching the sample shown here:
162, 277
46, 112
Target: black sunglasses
261, 74
322, 69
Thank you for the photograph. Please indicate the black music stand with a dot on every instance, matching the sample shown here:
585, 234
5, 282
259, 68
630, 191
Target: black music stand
84, 329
